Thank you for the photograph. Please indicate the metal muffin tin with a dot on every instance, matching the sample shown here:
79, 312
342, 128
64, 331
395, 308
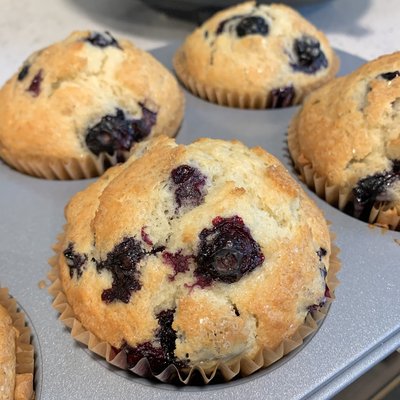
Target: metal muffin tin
361, 328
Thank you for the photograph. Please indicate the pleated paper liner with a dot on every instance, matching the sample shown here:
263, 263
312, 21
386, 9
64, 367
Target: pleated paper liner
278, 98
381, 214
228, 370
88, 166
25, 351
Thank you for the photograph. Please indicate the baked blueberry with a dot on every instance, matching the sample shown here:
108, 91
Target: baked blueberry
321, 253
75, 261
227, 251
282, 97
34, 88
122, 262
253, 25
188, 186
24, 72
373, 188
389, 76
102, 40
309, 56
160, 353
117, 133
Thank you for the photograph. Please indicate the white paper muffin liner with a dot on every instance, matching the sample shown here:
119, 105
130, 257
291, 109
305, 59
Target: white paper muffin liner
25, 351
88, 166
228, 370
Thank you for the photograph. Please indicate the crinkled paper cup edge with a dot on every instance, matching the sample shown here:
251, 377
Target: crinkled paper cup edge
25, 351
227, 370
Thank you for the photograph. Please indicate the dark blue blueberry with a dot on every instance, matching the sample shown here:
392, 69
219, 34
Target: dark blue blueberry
227, 251
161, 352
24, 72
371, 189
309, 56
321, 253
252, 26
281, 97
102, 40
316, 307
117, 133
75, 261
188, 186
389, 76
122, 262
34, 87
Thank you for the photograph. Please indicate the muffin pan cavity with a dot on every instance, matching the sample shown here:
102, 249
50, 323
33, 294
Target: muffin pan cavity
361, 328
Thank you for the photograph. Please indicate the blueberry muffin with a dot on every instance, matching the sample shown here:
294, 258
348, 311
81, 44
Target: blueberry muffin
255, 56
213, 255
78, 106
346, 141
13, 386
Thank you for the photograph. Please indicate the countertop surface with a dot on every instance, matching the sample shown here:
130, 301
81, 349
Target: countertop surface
366, 28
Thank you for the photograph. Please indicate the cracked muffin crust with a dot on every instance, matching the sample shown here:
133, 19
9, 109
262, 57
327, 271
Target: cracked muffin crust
213, 253
13, 386
79, 105
348, 132
255, 56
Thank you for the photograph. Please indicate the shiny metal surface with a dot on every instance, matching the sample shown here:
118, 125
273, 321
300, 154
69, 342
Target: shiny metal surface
362, 326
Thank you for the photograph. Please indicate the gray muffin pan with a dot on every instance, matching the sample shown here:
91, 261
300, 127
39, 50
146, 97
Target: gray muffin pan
362, 326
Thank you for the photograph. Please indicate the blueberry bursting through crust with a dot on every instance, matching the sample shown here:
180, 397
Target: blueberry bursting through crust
321, 253
123, 262
117, 133
246, 25
227, 251
372, 189
160, 352
102, 40
188, 186
309, 58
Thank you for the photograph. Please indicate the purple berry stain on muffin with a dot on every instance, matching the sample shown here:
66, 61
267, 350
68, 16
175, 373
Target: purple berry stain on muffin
160, 353
389, 76
34, 87
145, 236
102, 40
282, 97
373, 188
246, 25
178, 261
24, 72
188, 186
227, 251
309, 56
123, 262
117, 133
75, 261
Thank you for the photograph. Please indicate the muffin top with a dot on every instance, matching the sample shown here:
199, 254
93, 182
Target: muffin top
253, 50
87, 96
192, 255
349, 131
